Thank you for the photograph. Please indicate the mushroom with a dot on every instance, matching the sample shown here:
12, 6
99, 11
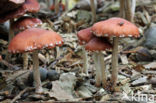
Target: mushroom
29, 6
96, 45
32, 40
116, 28
26, 23
22, 24
84, 36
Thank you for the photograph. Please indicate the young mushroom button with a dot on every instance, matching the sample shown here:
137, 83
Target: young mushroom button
115, 27
32, 40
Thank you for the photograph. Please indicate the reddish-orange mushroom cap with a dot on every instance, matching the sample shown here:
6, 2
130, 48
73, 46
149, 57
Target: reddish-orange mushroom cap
116, 27
98, 44
85, 36
34, 39
49, 40
26, 23
30, 6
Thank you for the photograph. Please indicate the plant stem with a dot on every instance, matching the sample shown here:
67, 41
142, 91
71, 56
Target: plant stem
36, 72
25, 61
103, 69
85, 61
114, 63
98, 69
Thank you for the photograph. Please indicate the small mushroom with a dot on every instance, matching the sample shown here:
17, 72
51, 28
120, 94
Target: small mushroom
96, 45
116, 28
26, 23
32, 40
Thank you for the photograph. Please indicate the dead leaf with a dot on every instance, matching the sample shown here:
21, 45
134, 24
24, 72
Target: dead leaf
151, 65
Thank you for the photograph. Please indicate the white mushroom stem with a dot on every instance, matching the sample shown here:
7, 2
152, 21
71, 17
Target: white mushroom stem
36, 72
85, 61
48, 3
100, 69
66, 3
128, 11
56, 6
11, 32
25, 61
103, 70
11, 35
114, 63
93, 8
57, 52
133, 6
122, 9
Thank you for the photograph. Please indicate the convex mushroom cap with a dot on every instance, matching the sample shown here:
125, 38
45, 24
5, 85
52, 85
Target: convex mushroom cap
115, 27
85, 35
26, 23
98, 44
34, 39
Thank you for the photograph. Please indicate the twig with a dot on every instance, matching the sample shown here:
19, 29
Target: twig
9, 65
12, 79
4, 93
21, 93
54, 63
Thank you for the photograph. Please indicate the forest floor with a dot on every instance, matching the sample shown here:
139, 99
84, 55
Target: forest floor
137, 65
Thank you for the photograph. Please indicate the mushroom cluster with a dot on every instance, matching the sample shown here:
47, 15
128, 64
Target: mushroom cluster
22, 22
32, 40
94, 44
29, 6
99, 36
